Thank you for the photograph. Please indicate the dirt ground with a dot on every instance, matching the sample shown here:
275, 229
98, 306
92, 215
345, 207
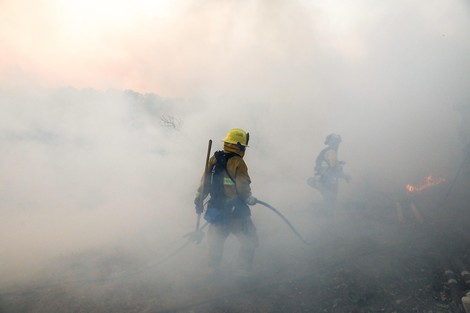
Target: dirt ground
365, 257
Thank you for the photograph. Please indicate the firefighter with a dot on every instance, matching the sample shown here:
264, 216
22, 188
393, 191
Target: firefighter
328, 170
228, 184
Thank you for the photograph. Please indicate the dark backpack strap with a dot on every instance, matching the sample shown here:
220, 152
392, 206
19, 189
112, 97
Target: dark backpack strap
217, 186
226, 170
222, 159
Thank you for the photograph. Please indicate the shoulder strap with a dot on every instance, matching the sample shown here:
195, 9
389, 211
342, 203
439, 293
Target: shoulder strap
222, 160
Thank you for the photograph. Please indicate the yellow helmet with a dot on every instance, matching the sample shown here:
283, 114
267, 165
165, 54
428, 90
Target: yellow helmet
237, 136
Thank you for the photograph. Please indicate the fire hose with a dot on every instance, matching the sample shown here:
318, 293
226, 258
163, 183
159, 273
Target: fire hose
285, 220
197, 235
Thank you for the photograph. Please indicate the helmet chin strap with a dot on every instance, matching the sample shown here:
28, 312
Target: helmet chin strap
243, 147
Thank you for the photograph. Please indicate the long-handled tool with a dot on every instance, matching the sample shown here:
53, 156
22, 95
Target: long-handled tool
285, 221
197, 235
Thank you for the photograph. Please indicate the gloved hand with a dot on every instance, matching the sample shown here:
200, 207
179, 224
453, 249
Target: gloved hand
198, 204
251, 200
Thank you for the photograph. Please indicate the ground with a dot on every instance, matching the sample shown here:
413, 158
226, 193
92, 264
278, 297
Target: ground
364, 257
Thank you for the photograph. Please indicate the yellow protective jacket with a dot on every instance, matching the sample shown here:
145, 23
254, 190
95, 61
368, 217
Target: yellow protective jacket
236, 166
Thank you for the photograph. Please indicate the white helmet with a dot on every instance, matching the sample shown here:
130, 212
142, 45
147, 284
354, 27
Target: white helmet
332, 139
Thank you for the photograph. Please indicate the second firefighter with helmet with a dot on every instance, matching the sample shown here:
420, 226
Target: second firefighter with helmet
227, 182
328, 169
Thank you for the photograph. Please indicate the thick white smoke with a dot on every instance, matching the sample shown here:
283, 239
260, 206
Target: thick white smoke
86, 168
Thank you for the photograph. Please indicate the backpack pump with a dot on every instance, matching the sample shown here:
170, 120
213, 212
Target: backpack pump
217, 190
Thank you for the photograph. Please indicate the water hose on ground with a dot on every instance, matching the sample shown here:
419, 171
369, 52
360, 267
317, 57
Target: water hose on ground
285, 221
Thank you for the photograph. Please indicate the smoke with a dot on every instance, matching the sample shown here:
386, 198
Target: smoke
85, 169
92, 165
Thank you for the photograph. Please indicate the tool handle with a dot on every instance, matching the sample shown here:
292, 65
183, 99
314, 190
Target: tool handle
206, 166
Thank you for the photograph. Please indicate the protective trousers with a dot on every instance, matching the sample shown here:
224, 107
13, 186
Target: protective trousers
244, 230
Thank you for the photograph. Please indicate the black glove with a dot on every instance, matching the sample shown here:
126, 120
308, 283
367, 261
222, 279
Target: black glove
199, 206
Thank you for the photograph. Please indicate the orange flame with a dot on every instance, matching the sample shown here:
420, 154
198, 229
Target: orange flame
430, 181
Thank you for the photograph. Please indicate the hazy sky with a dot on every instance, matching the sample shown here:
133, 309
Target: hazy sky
383, 74
180, 48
